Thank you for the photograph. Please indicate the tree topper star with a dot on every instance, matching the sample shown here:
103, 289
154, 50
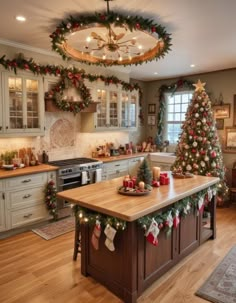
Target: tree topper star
199, 86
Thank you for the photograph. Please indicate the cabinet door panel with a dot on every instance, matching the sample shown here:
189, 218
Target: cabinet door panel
2, 213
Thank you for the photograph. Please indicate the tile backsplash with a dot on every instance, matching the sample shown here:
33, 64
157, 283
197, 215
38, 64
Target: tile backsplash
63, 140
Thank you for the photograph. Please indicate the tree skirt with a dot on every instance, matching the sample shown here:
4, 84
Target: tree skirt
220, 287
56, 229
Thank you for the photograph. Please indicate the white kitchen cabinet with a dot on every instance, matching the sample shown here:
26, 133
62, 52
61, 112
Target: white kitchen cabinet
115, 169
22, 105
25, 199
116, 110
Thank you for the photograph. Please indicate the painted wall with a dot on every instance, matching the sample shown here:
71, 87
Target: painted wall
221, 82
63, 138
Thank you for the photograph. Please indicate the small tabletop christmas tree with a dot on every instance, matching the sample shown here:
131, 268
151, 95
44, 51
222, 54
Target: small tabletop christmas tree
144, 173
198, 150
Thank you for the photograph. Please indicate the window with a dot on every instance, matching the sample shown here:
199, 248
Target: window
176, 107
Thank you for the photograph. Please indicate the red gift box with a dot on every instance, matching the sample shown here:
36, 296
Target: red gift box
164, 180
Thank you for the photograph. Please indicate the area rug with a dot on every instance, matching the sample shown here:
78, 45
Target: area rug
56, 229
220, 287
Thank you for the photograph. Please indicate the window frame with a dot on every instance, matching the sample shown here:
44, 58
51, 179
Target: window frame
177, 122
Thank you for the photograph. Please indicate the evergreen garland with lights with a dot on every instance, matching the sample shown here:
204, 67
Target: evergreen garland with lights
69, 76
199, 150
50, 198
133, 23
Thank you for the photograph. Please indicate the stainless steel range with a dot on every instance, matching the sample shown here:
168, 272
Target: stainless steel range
76, 172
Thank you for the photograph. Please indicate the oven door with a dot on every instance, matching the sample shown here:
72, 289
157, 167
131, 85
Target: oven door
69, 181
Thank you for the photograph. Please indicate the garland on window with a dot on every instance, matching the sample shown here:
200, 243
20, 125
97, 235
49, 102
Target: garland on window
50, 198
166, 219
69, 76
162, 105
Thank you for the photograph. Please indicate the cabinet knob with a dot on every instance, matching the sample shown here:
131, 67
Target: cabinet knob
0, 127
6, 127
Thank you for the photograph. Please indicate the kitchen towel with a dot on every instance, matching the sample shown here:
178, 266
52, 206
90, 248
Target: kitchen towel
84, 179
98, 175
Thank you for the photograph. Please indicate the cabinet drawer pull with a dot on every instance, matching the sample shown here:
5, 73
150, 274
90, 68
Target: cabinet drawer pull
26, 180
26, 196
117, 165
0, 127
28, 216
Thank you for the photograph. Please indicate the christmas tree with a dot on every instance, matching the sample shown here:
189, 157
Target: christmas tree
144, 173
199, 150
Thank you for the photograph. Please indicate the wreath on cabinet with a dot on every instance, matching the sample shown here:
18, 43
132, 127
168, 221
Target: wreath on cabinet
61, 101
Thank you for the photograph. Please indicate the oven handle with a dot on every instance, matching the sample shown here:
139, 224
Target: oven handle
69, 176
70, 183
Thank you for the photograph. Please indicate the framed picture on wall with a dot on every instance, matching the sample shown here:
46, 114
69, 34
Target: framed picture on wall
230, 139
151, 120
219, 124
221, 111
151, 108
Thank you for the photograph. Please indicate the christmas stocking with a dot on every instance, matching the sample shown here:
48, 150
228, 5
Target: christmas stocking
153, 232
96, 235
110, 233
201, 204
176, 219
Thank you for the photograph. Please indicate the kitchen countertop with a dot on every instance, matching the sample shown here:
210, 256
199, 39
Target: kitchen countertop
121, 157
26, 170
103, 197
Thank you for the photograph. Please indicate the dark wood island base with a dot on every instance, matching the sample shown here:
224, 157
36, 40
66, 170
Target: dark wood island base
136, 264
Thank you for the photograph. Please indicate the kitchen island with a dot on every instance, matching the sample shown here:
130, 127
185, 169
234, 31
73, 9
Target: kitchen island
135, 263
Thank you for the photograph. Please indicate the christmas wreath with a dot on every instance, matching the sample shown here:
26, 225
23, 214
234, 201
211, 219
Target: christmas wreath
50, 198
75, 80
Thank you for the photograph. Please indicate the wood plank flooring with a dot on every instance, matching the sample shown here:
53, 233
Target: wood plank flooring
33, 270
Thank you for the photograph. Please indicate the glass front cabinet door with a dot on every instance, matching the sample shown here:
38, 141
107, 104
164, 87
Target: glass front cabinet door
23, 104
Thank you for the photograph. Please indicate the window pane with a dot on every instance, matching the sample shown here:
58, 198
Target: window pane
177, 117
170, 117
186, 98
171, 108
184, 107
177, 108
177, 99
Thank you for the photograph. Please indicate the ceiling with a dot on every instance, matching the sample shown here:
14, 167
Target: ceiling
203, 31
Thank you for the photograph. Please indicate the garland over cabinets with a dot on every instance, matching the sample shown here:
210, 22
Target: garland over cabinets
68, 77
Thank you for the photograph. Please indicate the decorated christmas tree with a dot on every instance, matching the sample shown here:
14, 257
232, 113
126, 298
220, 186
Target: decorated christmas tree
199, 151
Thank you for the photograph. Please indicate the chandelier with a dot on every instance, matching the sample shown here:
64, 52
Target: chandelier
109, 38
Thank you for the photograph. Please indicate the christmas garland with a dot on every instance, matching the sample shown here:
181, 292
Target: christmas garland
69, 76
133, 23
50, 198
180, 208
162, 104
90, 217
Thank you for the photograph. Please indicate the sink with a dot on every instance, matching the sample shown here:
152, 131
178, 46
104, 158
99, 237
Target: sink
163, 157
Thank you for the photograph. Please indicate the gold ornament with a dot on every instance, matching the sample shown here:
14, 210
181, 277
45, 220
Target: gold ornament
199, 86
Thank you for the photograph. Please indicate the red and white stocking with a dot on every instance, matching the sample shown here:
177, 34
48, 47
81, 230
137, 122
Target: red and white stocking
152, 233
96, 235
176, 219
201, 204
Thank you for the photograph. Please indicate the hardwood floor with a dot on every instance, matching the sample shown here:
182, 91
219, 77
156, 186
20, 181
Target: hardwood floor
33, 270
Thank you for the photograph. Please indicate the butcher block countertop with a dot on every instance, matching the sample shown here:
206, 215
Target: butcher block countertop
104, 198
26, 170
120, 157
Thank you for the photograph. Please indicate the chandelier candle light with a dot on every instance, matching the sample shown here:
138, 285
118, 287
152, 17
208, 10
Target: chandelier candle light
110, 38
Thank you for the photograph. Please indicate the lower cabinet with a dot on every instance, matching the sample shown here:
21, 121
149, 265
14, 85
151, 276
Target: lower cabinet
23, 200
121, 168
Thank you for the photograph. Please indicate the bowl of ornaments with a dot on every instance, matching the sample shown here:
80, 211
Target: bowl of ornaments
132, 187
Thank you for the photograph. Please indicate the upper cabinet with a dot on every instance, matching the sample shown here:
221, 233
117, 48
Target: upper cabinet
117, 109
22, 105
